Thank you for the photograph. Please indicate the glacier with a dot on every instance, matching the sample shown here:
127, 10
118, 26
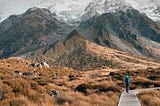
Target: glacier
74, 10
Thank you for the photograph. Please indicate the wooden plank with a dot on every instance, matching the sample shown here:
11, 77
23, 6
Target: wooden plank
130, 99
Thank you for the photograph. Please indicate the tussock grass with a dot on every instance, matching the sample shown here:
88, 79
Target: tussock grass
77, 88
149, 98
71, 98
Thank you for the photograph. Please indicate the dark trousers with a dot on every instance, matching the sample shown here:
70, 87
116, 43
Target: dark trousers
127, 88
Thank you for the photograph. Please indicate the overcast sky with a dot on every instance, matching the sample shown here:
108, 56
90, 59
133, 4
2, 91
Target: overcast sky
8, 7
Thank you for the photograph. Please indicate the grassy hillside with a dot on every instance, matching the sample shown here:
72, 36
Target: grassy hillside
76, 52
81, 88
149, 98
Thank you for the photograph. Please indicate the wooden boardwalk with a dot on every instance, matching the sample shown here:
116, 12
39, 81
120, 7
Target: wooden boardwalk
130, 99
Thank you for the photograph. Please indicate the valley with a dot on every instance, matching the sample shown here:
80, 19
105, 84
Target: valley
77, 52
92, 87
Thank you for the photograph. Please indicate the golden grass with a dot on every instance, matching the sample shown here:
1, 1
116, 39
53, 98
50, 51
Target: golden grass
100, 87
71, 98
149, 98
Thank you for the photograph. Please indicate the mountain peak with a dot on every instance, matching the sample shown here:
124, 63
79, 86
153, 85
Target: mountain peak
76, 34
30, 31
99, 7
39, 11
72, 10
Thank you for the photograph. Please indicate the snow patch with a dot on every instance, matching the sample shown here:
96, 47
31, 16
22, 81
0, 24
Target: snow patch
69, 10
99, 7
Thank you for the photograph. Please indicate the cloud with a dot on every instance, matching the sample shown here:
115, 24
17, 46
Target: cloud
9, 7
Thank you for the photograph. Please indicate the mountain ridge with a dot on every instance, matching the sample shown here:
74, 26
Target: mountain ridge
76, 52
41, 36
129, 31
71, 11
34, 29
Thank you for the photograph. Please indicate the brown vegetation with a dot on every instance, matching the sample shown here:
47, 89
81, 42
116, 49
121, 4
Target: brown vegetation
100, 87
149, 98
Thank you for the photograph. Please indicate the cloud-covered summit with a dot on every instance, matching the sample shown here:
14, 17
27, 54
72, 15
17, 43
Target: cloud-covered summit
72, 9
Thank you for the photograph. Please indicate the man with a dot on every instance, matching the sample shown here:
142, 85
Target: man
127, 81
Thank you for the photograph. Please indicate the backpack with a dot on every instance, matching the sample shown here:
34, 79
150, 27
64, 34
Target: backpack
127, 80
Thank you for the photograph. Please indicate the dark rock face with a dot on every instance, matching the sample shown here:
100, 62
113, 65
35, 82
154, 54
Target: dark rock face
39, 35
158, 22
62, 51
30, 31
72, 51
127, 26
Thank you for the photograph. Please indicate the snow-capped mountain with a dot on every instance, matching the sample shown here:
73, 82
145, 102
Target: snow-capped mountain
34, 29
73, 10
150, 7
65, 9
98, 7
126, 30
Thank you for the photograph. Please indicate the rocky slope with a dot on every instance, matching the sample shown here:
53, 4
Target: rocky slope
128, 30
38, 35
36, 28
77, 52
150, 7
99, 7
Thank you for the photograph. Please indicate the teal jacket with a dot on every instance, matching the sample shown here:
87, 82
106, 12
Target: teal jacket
127, 79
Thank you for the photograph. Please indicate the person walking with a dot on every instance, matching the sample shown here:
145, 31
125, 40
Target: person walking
127, 82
